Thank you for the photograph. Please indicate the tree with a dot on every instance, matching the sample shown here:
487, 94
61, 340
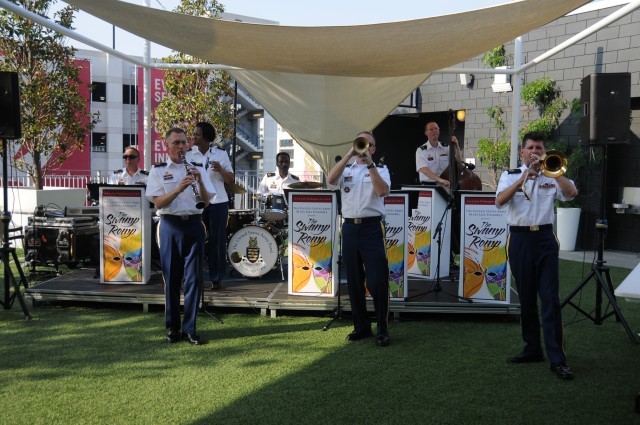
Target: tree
494, 152
55, 118
196, 95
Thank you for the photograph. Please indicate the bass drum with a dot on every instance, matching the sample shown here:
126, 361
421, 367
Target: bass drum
254, 250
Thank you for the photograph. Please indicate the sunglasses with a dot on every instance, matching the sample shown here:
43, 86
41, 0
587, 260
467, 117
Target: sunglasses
129, 156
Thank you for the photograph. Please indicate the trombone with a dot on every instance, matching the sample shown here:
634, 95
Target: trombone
552, 164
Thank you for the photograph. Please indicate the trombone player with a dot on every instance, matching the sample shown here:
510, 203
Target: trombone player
174, 188
528, 193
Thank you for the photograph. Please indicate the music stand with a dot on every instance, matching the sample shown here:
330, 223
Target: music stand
600, 272
337, 312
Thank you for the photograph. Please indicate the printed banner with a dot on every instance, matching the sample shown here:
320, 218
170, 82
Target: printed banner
313, 243
124, 225
420, 236
396, 207
484, 275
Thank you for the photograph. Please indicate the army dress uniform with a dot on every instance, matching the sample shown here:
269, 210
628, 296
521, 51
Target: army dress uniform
435, 159
216, 215
363, 245
121, 175
532, 250
180, 237
273, 184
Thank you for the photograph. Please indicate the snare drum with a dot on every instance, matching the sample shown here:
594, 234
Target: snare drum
254, 250
273, 207
238, 219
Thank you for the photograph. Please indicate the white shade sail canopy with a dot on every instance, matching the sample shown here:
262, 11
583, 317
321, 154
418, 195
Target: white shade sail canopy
324, 84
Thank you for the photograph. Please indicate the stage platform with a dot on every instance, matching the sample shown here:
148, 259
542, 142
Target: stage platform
266, 294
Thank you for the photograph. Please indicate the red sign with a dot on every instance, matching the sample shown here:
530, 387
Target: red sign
158, 149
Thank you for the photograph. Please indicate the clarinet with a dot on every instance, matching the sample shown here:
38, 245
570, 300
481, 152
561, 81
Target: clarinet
200, 204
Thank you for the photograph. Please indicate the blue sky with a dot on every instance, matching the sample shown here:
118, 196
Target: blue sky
290, 12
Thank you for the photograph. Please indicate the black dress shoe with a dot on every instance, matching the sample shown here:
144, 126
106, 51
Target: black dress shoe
173, 336
526, 358
562, 370
193, 339
383, 341
358, 335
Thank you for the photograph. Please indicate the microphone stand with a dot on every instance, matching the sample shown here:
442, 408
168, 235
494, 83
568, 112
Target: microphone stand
438, 232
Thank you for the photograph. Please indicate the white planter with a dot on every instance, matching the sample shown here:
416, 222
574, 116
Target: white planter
568, 220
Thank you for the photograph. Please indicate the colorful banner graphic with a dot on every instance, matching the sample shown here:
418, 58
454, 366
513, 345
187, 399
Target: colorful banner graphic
484, 275
313, 243
124, 225
396, 225
420, 224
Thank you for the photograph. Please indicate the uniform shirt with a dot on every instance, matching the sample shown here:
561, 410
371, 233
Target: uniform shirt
273, 184
359, 199
164, 177
214, 154
537, 211
435, 159
140, 177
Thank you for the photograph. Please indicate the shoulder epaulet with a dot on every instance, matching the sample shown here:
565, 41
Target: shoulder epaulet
145, 172
196, 164
160, 164
380, 165
423, 147
219, 148
271, 174
294, 177
191, 149
118, 171
514, 171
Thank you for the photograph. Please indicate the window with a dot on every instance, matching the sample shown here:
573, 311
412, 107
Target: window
99, 92
286, 143
129, 94
129, 140
98, 142
290, 152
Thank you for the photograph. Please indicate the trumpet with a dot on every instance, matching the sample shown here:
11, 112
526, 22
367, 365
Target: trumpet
361, 145
552, 164
200, 204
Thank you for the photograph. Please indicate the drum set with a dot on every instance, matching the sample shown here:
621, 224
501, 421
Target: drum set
256, 238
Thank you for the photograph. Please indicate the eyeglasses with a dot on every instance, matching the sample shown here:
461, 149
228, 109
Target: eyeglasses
129, 156
179, 142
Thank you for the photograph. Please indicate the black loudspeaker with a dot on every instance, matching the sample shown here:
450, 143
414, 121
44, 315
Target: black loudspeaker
606, 108
9, 106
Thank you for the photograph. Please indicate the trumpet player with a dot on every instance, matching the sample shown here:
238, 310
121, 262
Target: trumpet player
174, 187
363, 186
532, 250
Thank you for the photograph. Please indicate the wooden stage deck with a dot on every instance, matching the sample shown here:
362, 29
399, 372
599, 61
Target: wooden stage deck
268, 294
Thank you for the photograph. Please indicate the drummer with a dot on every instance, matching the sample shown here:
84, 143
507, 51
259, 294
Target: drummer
275, 183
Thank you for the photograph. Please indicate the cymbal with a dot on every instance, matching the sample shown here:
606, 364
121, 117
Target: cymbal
305, 185
235, 188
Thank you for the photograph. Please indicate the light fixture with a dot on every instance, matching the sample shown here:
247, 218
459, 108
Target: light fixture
461, 114
466, 79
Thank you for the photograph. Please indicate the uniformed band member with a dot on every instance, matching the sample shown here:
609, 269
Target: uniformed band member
275, 183
218, 166
130, 174
532, 249
180, 234
432, 158
363, 186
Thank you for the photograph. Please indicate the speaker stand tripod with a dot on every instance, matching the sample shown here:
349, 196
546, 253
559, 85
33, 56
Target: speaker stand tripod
6, 251
600, 273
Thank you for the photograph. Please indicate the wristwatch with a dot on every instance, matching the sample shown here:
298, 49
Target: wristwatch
370, 166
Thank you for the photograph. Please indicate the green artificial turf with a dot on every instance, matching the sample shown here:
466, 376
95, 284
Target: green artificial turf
104, 363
